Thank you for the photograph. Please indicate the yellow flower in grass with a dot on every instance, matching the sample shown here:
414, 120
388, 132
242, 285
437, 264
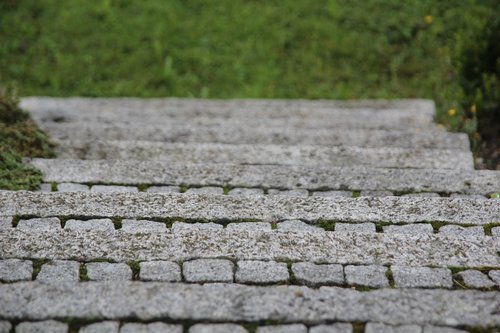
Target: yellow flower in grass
473, 108
428, 19
452, 112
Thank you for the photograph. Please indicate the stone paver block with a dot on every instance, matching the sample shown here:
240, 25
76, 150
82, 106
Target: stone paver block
102, 327
254, 271
317, 275
458, 230
383, 328
72, 187
138, 226
467, 196
421, 277
375, 193
205, 190
422, 194
47, 326
438, 329
332, 328
5, 326
208, 270
217, 328
59, 270
105, 271
12, 270
355, 227
367, 276
46, 223
245, 192
330, 194
94, 224
160, 271
495, 231
151, 328
45, 187
293, 328
476, 279
495, 276
295, 225
249, 226
183, 226
113, 189
289, 193
163, 189
420, 228
5, 222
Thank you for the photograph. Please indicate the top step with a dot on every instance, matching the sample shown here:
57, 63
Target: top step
397, 114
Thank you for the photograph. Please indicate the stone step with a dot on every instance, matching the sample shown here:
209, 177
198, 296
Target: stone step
315, 114
147, 302
267, 154
356, 178
239, 132
266, 208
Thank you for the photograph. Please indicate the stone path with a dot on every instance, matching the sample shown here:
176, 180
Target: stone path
251, 216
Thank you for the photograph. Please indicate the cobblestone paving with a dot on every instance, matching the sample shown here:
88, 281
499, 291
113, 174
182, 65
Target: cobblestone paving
250, 216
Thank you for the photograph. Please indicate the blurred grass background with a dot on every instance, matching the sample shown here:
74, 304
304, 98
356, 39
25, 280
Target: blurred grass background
334, 49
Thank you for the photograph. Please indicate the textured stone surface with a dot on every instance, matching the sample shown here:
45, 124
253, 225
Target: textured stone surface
421, 228
15, 270
243, 192
437, 329
355, 227
495, 276
45, 187
59, 270
47, 326
137, 226
476, 279
421, 277
208, 270
150, 328
113, 189
205, 190
297, 225
495, 231
249, 226
271, 176
347, 194
315, 275
383, 328
50, 223
186, 227
102, 327
333, 328
151, 301
458, 230
5, 222
467, 196
320, 247
289, 193
267, 154
163, 189
210, 207
72, 187
366, 276
293, 328
378, 193
217, 328
95, 224
422, 194
105, 271
160, 271
255, 271
5, 326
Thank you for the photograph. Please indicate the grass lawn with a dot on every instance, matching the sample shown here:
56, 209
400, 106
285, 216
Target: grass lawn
334, 49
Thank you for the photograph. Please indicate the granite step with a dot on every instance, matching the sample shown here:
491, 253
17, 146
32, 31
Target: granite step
206, 207
312, 178
238, 132
267, 154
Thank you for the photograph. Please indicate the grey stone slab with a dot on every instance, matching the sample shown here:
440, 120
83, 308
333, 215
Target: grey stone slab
45, 187
320, 247
456, 229
163, 189
47, 326
476, 279
289, 193
422, 194
421, 277
102, 327
139, 301
167, 271
355, 227
113, 189
59, 270
5, 326
15, 270
150, 328
366, 276
297, 225
384, 328
138, 226
311, 177
205, 190
105, 271
437, 329
292, 328
186, 227
467, 196
378, 193
318, 275
267, 154
94, 224
332, 328
495, 231
5, 222
347, 194
217, 328
261, 272
388, 209
72, 187
48, 223
265, 226
244, 192
208, 270
420, 228
495, 276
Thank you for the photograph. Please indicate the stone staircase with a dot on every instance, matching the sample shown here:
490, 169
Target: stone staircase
250, 216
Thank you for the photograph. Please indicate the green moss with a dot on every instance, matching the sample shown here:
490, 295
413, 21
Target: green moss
136, 268
37, 266
489, 226
326, 225
117, 221
83, 273
390, 277
356, 194
358, 327
142, 187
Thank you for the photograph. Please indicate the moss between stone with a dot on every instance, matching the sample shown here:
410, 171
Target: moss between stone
136, 269
37, 266
489, 226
